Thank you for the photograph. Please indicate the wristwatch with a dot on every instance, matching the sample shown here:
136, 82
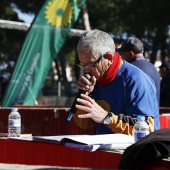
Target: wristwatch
108, 119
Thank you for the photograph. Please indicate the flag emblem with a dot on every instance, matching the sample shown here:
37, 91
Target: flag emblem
59, 13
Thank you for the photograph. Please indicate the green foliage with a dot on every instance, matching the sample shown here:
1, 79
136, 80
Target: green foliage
10, 40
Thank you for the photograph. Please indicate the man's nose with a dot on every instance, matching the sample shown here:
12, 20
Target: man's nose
87, 69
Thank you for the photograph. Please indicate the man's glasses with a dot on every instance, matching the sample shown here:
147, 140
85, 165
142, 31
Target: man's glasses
81, 65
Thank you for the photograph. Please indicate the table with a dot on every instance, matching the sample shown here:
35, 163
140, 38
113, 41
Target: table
36, 153
45, 154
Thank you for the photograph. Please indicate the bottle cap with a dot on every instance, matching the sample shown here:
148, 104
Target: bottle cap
14, 109
141, 118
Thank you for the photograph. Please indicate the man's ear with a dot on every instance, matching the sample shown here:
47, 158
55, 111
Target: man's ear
108, 56
132, 54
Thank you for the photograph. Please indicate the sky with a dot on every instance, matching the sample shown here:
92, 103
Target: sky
28, 18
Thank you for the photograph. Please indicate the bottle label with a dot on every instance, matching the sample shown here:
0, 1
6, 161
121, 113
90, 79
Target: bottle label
14, 122
140, 134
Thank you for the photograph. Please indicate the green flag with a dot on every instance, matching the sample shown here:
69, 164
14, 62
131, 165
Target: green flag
42, 44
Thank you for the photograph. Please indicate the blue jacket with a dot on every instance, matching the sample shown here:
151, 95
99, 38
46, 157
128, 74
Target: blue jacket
130, 94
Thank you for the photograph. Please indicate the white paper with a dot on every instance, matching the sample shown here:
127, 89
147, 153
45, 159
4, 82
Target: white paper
86, 142
91, 142
89, 148
92, 139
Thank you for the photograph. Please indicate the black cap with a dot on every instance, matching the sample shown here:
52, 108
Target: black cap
166, 65
131, 44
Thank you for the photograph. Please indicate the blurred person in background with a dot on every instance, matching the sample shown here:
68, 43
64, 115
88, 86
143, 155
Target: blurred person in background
5, 78
165, 84
132, 50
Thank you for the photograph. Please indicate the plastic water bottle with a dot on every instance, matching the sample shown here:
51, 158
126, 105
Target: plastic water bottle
14, 123
141, 128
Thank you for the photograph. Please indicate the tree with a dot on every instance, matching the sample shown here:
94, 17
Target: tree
10, 39
145, 19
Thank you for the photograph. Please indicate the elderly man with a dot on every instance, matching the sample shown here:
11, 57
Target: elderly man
116, 91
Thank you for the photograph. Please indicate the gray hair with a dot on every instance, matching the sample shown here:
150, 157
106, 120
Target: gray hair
96, 43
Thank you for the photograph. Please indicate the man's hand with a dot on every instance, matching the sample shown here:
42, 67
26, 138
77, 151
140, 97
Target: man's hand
86, 83
93, 110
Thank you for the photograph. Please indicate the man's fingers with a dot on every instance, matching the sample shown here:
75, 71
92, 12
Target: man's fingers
85, 116
83, 96
84, 108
